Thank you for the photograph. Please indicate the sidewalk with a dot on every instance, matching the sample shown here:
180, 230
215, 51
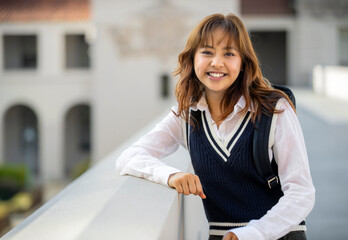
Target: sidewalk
330, 110
324, 122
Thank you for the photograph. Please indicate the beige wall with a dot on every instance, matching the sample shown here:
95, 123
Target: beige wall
136, 43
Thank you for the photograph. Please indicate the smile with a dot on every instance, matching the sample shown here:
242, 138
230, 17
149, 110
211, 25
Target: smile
216, 75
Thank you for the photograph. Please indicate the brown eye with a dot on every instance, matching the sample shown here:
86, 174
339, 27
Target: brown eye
207, 53
229, 54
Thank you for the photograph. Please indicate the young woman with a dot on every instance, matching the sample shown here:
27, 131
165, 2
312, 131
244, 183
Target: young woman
220, 93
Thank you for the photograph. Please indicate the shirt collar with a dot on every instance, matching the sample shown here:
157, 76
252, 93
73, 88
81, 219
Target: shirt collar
202, 105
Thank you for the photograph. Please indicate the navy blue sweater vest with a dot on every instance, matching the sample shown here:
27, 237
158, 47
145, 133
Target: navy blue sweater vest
235, 192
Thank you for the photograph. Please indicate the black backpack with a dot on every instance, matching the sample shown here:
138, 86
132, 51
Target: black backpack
260, 144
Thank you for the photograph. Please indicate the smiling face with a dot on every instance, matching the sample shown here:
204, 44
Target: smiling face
217, 64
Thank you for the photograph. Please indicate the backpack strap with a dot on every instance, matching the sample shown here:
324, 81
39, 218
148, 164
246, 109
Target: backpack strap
287, 91
261, 140
260, 150
187, 135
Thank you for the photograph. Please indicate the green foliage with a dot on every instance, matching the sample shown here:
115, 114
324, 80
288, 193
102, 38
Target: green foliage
13, 178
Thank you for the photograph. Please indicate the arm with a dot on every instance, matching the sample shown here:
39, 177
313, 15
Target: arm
143, 158
293, 169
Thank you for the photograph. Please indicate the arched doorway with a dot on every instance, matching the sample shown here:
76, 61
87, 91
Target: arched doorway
77, 140
270, 47
21, 138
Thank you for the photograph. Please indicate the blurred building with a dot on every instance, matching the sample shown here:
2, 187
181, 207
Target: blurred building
45, 84
292, 36
78, 77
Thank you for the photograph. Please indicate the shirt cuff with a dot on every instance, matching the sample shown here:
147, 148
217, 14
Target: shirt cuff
165, 172
247, 233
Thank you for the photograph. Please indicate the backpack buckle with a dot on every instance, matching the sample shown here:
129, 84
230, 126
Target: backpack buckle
273, 182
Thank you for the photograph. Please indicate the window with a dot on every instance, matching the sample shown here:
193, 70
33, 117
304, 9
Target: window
270, 47
165, 86
270, 7
76, 52
343, 38
20, 51
84, 128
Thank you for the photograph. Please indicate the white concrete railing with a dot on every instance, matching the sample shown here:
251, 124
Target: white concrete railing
103, 205
331, 81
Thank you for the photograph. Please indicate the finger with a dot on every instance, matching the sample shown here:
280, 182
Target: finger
185, 187
202, 195
179, 188
200, 188
192, 186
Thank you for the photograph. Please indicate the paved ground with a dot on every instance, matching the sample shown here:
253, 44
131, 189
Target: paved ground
325, 126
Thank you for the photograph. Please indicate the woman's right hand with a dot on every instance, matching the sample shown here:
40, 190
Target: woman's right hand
186, 183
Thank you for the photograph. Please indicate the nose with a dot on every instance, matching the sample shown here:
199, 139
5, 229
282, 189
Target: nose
217, 62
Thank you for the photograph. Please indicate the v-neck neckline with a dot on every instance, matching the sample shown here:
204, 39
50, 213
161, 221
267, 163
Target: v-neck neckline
224, 148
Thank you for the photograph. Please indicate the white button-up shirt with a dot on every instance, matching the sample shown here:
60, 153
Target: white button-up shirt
143, 159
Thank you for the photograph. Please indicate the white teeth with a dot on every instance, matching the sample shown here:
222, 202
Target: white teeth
216, 74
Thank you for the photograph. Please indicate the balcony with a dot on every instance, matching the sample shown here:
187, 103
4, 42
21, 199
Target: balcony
101, 204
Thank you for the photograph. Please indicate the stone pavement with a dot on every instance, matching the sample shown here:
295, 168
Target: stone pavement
325, 126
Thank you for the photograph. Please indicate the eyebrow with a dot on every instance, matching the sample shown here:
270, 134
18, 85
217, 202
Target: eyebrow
225, 48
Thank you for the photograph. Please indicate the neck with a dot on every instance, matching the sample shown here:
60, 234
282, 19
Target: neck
214, 104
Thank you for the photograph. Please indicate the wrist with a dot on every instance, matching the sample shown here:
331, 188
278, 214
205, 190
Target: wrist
170, 177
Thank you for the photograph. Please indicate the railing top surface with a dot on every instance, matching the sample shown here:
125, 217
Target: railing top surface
102, 204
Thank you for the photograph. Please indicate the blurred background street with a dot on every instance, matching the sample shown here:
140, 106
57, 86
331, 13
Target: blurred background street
325, 126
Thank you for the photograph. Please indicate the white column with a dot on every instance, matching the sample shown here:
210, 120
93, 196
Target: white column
50, 51
51, 146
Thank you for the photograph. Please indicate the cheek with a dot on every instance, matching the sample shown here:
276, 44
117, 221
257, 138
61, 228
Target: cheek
199, 66
196, 65
240, 64
197, 69
237, 66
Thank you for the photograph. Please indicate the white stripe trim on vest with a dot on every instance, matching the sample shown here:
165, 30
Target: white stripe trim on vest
299, 228
235, 129
243, 224
222, 146
216, 138
236, 225
211, 142
222, 232
240, 133
227, 224
217, 232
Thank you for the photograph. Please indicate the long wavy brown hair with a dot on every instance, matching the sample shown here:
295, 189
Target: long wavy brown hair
250, 83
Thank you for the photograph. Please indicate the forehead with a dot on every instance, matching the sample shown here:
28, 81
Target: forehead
218, 36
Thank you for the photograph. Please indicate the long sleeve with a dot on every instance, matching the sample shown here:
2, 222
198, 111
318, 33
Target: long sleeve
296, 182
143, 158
